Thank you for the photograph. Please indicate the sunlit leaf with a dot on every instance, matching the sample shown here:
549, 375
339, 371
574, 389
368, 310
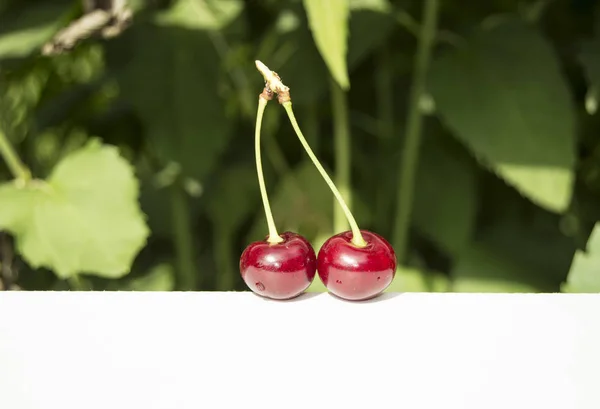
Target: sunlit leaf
298, 60
380, 6
84, 219
584, 276
328, 21
299, 63
504, 96
200, 14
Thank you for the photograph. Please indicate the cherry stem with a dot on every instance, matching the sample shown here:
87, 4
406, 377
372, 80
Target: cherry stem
357, 238
274, 237
341, 140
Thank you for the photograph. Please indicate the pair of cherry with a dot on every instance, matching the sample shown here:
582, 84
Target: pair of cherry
353, 265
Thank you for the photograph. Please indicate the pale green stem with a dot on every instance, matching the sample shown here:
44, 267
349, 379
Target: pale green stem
410, 154
312, 126
16, 167
357, 238
274, 237
341, 139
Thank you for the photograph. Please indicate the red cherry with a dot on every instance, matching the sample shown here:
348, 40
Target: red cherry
280, 271
356, 273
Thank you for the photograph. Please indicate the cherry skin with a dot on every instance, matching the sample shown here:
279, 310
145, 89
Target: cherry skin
356, 273
279, 271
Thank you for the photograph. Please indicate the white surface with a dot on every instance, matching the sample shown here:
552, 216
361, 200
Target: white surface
236, 350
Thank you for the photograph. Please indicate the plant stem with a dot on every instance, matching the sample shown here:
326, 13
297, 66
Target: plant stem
385, 97
410, 154
357, 238
183, 239
341, 138
385, 131
274, 237
16, 167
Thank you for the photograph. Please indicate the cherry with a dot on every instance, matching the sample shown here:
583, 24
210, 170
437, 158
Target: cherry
356, 264
281, 266
356, 273
280, 271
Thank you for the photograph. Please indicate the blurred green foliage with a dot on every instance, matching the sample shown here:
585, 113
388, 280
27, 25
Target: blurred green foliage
507, 188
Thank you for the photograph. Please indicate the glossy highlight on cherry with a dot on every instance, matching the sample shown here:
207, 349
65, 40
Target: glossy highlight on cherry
356, 273
279, 271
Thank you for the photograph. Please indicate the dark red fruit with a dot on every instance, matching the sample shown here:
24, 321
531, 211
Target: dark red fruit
356, 273
280, 271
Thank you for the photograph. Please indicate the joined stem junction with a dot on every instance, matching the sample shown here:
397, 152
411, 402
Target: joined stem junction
273, 84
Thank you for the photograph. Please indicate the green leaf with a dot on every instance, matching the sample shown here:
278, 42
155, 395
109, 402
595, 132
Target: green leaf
380, 6
296, 58
504, 96
174, 87
84, 219
200, 14
328, 21
482, 269
26, 31
445, 212
584, 276
160, 278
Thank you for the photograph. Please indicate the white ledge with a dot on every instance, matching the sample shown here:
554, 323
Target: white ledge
235, 350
